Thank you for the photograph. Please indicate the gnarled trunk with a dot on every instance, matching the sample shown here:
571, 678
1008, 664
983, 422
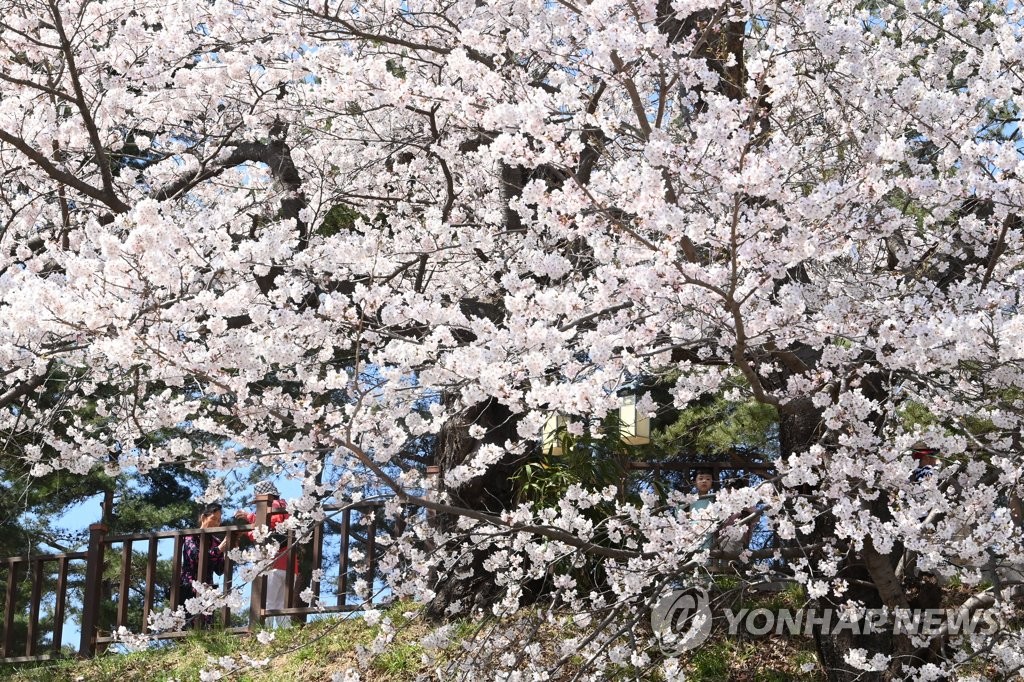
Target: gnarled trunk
470, 587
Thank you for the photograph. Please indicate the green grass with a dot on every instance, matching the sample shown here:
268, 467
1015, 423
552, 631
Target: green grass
312, 652
762, 660
316, 651
401, 659
710, 663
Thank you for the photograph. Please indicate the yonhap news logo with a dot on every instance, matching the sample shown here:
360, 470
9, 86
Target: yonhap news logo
682, 620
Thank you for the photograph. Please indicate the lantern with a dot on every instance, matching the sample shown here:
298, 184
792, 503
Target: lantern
553, 428
431, 482
635, 428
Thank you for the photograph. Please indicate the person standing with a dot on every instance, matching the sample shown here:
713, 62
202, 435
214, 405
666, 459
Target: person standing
925, 459
703, 483
277, 577
209, 517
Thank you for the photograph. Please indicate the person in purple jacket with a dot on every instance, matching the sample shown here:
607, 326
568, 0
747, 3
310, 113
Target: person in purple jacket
210, 517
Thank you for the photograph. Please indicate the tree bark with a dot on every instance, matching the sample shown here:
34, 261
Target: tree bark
800, 427
493, 492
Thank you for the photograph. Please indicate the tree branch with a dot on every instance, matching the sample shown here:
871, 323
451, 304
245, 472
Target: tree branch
62, 177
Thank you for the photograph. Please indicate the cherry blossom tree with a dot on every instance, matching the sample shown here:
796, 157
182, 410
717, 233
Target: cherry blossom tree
357, 233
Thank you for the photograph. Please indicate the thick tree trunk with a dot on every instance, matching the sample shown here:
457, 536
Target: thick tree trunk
868, 573
493, 492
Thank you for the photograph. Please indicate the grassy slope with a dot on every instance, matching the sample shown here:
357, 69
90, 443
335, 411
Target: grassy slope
318, 650
301, 654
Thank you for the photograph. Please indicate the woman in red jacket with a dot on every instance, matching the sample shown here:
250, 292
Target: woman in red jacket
278, 575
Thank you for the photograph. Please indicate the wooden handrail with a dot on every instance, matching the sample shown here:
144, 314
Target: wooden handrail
42, 557
184, 532
95, 635
102, 549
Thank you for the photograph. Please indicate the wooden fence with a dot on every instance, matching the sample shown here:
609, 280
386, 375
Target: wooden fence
106, 602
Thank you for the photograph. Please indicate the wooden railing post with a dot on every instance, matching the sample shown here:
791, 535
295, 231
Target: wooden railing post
9, 607
202, 566
150, 591
61, 601
316, 561
346, 522
125, 584
289, 573
33, 618
258, 602
93, 587
371, 550
225, 612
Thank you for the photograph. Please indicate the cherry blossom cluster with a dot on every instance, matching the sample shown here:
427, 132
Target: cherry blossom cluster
320, 236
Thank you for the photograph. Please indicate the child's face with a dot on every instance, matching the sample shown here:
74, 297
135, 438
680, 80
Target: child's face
704, 482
